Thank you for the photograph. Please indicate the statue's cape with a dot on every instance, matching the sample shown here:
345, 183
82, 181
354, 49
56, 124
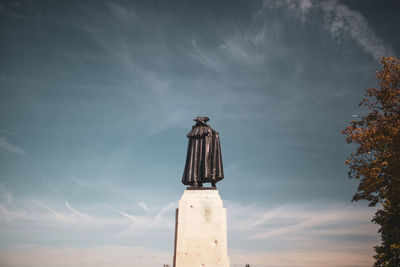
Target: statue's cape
203, 159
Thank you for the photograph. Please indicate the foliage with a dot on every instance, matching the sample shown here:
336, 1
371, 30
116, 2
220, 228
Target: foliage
376, 162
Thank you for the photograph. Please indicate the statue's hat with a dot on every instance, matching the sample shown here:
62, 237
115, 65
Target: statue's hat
202, 119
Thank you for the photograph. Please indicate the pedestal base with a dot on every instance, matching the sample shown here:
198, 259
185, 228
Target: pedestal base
200, 230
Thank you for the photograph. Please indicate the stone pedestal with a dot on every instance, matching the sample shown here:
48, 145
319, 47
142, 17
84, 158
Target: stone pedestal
200, 230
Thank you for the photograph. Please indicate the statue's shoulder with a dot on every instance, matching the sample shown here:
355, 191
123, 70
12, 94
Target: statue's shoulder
200, 131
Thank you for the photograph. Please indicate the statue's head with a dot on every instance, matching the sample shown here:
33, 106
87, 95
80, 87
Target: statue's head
201, 120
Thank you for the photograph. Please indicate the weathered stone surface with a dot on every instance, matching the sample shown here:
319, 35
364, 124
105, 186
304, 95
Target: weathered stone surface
200, 231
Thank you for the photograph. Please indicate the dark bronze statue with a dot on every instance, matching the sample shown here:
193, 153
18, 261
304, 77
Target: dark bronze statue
203, 160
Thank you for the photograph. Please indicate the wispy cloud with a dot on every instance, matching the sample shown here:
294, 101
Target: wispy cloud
105, 148
301, 232
159, 218
37, 213
338, 19
59, 216
86, 219
304, 218
126, 215
11, 133
232, 68
207, 57
101, 182
306, 234
9, 147
144, 205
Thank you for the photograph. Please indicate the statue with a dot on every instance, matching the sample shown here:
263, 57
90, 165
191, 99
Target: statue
203, 159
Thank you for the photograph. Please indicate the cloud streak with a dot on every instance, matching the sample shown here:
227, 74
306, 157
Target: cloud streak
9, 147
339, 20
308, 220
301, 233
126, 215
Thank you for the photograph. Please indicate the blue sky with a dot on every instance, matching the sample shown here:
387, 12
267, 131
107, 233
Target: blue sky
96, 98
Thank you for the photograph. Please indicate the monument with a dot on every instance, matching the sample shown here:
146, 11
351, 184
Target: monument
200, 222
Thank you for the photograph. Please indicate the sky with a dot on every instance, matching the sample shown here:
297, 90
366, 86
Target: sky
96, 99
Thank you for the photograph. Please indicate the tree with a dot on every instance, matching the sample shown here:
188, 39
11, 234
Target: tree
376, 162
